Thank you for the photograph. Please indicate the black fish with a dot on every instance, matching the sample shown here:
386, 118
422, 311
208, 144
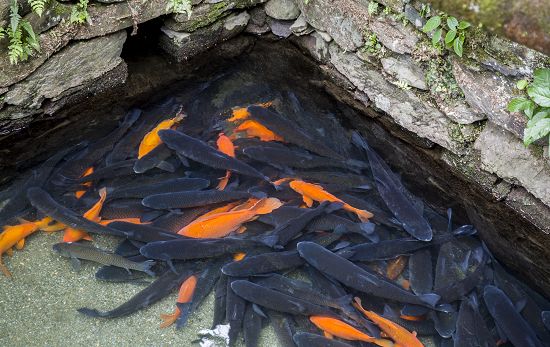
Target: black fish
220, 294
358, 278
122, 168
122, 149
278, 301
393, 248
545, 316
421, 272
201, 152
422, 327
165, 186
235, 308
395, 194
282, 158
290, 132
174, 221
285, 232
303, 339
508, 319
284, 328
159, 289
123, 209
345, 180
186, 249
471, 329
48, 206
153, 159
192, 199
330, 222
252, 326
143, 232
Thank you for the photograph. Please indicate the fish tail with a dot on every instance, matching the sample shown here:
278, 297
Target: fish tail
430, 299
268, 240
185, 310
146, 267
363, 215
169, 319
224, 180
92, 312
266, 205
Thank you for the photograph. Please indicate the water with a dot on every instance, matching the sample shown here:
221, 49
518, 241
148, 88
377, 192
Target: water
38, 307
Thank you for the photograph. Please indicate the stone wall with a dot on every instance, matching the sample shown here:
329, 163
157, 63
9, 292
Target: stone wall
454, 107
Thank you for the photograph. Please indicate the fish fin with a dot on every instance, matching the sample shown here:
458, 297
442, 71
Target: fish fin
266, 205
185, 310
259, 311
75, 263
430, 299
166, 166
364, 215
9, 251
241, 229
367, 227
363, 187
169, 319
171, 266
465, 230
328, 335
307, 200
268, 240
183, 160
520, 305
92, 312
20, 244
445, 308
146, 266
450, 218
4, 269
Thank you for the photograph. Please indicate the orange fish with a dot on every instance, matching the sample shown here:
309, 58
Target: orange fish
406, 284
396, 267
238, 256
185, 297
311, 192
242, 112
413, 318
88, 172
73, 235
151, 140
253, 128
400, 335
222, 224
225, 146
335, 327
14, 236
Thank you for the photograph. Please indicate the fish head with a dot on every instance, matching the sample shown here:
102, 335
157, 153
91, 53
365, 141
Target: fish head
62, 249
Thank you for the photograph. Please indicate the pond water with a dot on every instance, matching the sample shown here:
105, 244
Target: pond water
417, 264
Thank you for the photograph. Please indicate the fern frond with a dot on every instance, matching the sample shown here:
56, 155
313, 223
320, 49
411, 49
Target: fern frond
15, 17
38, 6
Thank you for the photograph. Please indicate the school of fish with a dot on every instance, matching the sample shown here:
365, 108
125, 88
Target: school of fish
324, 243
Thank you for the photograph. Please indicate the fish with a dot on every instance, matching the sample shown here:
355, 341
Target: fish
421, 272
508, 320
400, 335
358, 278
284, 328
201, 152
234, 312
290, 132
471, 329
185, 249
183, 303
335, 327
159, 289
15, 235
115, 274
226, 146
174, 221
187, 199
220, 294
421, 327
284, 157
241, 113
92, 174
126, 144
274, 300
392, 248
206, 281
252, 326
345, 180
74, 235
313, 192
545, 316
76, 251
395, 267
123, 209
222, 224
43, 202
329, 222
395, 195
79, 193
151, 140
303, 339
255, 129
156, 158
165, 186
285, 232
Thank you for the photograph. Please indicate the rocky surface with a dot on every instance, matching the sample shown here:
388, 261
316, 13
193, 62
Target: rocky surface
282, 9
405, 69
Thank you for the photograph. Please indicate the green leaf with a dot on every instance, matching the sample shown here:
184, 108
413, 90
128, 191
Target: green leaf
518, 104
530, 110
537, 131
450, 36
540, 115
539, 90
431, 24
521, 84
458, 44
437, 36
463, 25
452, 23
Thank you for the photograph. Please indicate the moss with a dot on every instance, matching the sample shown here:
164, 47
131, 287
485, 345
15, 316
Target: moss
441, 81
465, 134
215, 12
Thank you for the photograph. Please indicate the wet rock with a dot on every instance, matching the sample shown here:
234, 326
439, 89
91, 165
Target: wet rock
282, 9
257, 16
280, 28
345, 24
506, 156
459, 111
405, 69
300, 26
53, 14
324, 35
414, 17
183, 46
316, 46
530, 208
69, 69
394, 35
404, 107
490, 93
